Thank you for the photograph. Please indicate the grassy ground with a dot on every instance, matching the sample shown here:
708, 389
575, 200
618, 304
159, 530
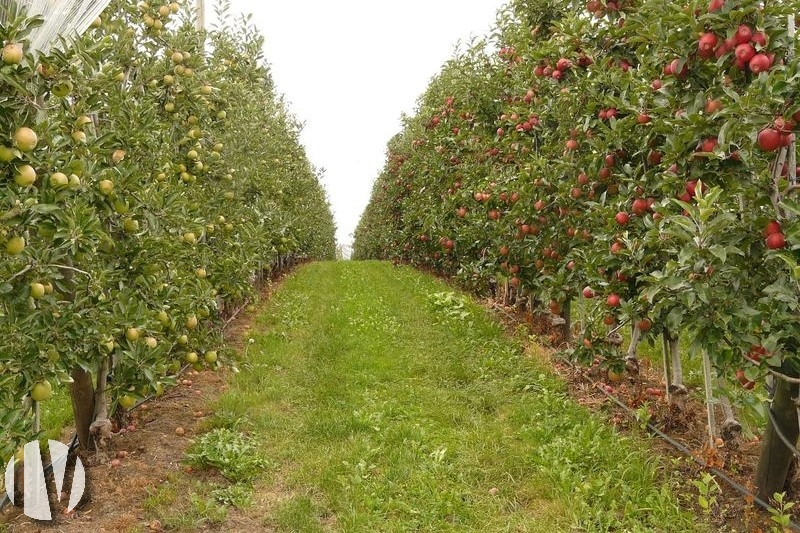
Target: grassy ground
373, 398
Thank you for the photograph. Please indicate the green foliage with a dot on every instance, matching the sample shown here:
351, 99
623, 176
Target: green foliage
185, 183
586, 145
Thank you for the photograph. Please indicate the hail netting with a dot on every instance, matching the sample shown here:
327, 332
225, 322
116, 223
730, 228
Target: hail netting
61, 18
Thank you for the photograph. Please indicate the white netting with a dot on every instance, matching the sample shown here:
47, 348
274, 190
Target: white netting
61, 18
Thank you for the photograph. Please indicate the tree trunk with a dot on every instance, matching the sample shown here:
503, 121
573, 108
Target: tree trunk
100, 427
566, 327
82, 388
82, 391
773, 464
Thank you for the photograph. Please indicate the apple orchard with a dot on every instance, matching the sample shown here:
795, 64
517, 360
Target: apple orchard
150, 176
636, 157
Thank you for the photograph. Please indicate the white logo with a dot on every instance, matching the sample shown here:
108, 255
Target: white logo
36, 504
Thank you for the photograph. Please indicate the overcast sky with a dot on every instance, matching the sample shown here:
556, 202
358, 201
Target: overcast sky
350, 68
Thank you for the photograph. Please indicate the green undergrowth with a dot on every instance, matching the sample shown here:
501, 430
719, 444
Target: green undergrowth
382, 400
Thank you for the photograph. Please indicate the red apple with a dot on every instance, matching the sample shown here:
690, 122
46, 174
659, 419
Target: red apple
713, 105
622, 218
759, 63
588, 292
775, 241
760, 38
743, 34
674, 68
613, 300
756, 352
773, 226
709, 144
706, 45
744, 52
691, 187
639, 206
769, 139
654, 157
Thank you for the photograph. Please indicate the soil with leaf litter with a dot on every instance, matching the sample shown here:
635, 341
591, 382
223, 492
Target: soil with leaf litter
152, 447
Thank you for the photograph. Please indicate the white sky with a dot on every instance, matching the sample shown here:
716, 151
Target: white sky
349, 68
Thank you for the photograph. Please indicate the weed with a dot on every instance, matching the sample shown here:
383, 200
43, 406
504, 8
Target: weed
234, 454
238, 495
708, 488
779, 513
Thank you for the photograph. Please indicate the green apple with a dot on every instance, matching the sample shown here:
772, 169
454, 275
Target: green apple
25, 139
15, 245
41, 391
58, 180
106, 187
12, 54
7, 154
127, 401
130, 225
37, 290
25, 176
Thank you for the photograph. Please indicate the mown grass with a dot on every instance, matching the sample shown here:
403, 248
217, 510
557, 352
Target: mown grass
384, 402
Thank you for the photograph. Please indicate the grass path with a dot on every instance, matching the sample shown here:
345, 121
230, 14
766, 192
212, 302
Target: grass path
381, 401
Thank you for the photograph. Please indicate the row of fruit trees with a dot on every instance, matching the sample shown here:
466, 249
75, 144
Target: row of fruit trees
637, 156
150, 175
